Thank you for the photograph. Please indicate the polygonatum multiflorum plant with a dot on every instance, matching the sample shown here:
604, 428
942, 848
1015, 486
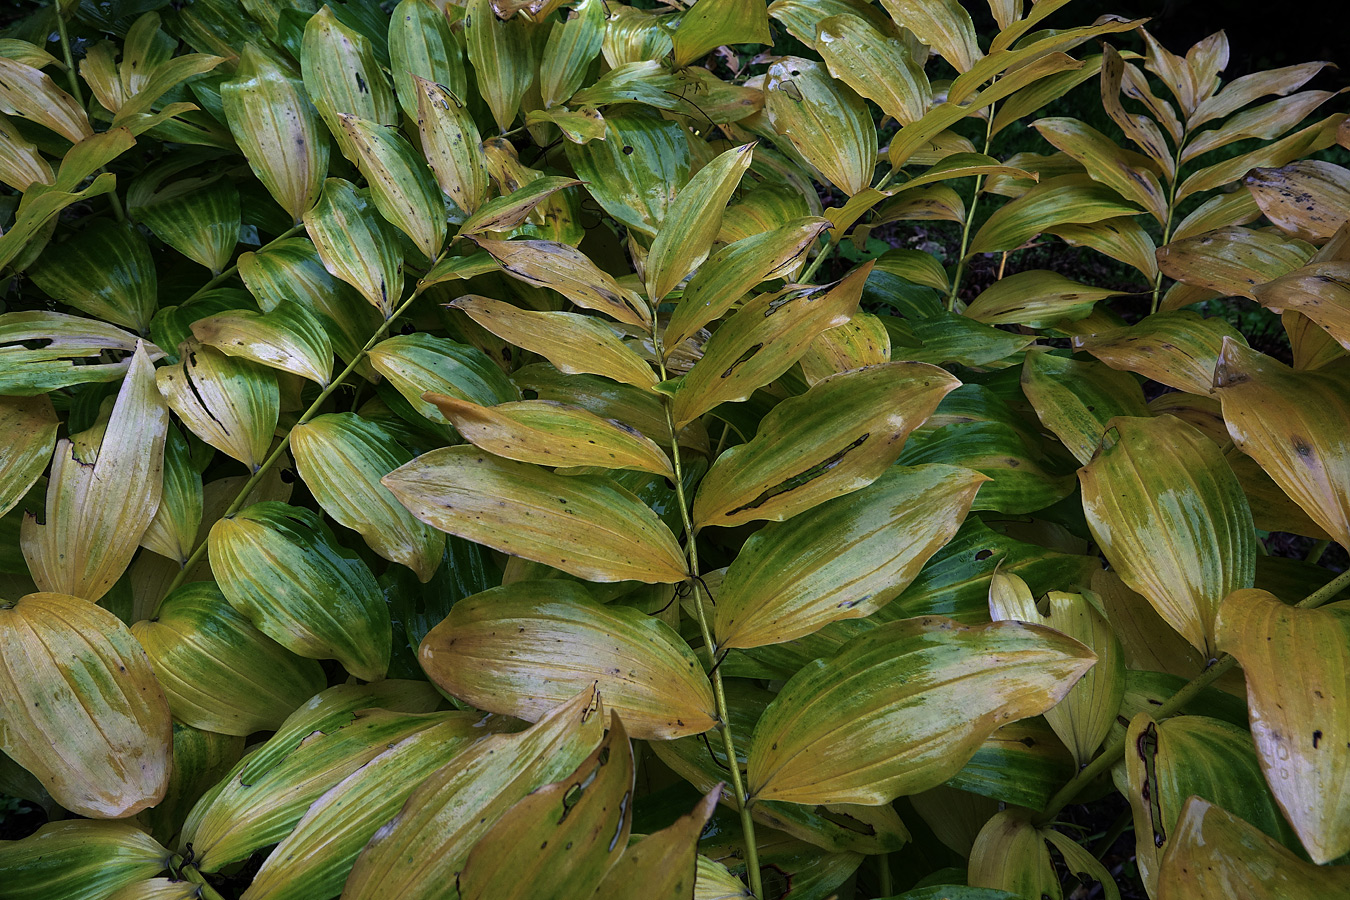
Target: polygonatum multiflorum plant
437, 464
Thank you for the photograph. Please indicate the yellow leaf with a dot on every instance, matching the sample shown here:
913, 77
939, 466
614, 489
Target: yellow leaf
80, 707
827, 122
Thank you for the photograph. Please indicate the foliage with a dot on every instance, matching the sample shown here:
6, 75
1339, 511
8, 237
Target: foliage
615, 555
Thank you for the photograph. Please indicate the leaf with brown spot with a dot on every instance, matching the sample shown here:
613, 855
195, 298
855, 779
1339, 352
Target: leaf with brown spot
1232, 260
570, 272
583, 524
1297, 664
1178, 349
661, 866
1292, 423
229, 402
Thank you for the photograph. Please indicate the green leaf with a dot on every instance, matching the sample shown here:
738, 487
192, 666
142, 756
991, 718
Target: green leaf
875, 541
418, 363
826, 122
941, 24
1171, 518
356, 244
342, 458
78, 859
1298, 724
105, 271
568, 53
829, 739
456, 805
716, 23
634, 172
328, 738
198, 217
343, 77
219, 673
762, 341
280, 566
876, 64
81, 707
504, 58
839, 436
421, 46
1068, 199
1191, 756
200, 760
278, 131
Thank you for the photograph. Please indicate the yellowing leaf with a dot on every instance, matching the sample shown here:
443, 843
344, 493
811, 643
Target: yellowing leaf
661, 866
1214, 855
1178, 349
417, 363
842, 559
523, 648
80, 707
1067, 199
1084, 717
568, 271
422, 50
714, 23
278, 131
839, 436
230, 403
314, 859
1171, 518
734, 270
218, 672
1037, 298
280, 566
28, 428
99, 505
450, 142
877, 65
400, 185
571, 46
692, 222
585, 525
1232, 260
560, 840
1320, 291
834, 736
1010, 854
863, 341
1291, 423
510, 210
827, 122
28, 92
343, 76
553, 434
342, 458
762, 341
356, 244
941, 24
288, 337
1076, 400
448, 813
1106, 163
328, 738
573, 343
1297, 666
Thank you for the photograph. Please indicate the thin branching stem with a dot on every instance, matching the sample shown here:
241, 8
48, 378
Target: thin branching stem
285, 442
719, 692
1217, 668
73, 79
1171, 217
970, 217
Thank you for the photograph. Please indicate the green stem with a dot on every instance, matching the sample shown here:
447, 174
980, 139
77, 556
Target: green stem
834, 242
234, 269
1167, 226
203, 886
1316, 551
74, 80
884, 883
1108, 840
719, 692
276, 454
970, 217
1116, 749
